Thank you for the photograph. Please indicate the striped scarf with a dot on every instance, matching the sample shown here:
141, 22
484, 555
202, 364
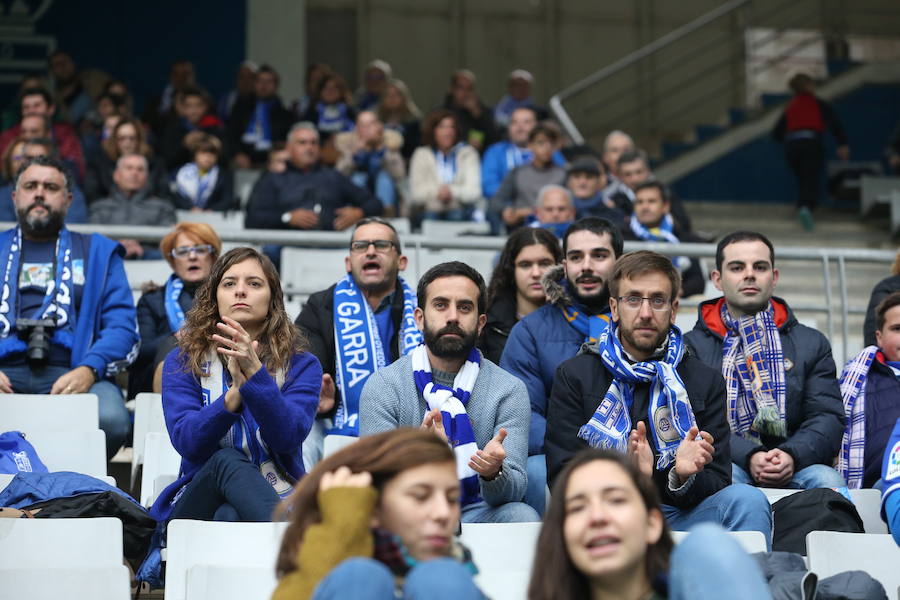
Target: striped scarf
851, 460
753, 368
452, 404
664, 232
669, 412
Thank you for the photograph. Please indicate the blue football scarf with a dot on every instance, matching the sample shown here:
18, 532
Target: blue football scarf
851, 460
58, 300
590, 326
669, 414
174, 313
358, 348
196, 186
452, 404
259, 128
446, 163
333, 118
664, 232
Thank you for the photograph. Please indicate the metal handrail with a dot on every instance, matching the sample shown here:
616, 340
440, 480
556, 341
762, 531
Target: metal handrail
626, 61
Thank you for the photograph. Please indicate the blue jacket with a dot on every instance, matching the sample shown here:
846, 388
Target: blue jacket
890, 475
106, 333
538, 344
882, 411
78, 212
284, 415
495, 165
26, 489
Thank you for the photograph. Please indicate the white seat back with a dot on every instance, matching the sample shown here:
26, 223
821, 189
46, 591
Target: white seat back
244, 180
214, 582
333, 443
142, 271
832, 552
78, 451
60, 543
160, 459
225, 545
217, 220
49, 412
308, 270
776, 494
504, 585
449, 229
97, 583
751, 541
501, 547
148, 417
868, 504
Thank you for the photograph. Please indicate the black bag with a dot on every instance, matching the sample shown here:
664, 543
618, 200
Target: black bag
820, 509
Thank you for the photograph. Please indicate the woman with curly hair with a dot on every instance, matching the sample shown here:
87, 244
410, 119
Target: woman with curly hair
377, 520
239, 395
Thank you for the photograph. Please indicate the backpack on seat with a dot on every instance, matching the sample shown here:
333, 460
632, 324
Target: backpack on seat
821, 509
17, 455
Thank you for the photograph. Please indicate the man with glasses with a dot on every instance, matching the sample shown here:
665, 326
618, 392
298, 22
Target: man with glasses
67, 320
638, 391
783, 400
358, 325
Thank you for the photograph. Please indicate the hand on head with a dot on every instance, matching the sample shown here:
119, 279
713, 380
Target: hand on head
344, 477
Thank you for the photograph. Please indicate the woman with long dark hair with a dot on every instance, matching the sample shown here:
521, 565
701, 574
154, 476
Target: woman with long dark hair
604, 536
376, 519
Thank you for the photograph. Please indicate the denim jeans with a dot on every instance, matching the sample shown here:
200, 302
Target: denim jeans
536, 491
708, 562
115, 419
808, 478
227, 488
368, 579
509, 512
384, 187
738, 507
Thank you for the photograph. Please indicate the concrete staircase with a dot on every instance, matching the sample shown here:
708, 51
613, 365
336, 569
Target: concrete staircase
801, 283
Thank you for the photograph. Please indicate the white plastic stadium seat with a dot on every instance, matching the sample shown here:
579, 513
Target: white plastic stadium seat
497, 547
776, 494
868, 504
215, 582
503, 585
160, 460
77, 451
142, 271
308, 270
49, 412
439, 229
217, 220
333, 443
43, 583
148, 417
751, 541
832, 552
224, 545
244, 180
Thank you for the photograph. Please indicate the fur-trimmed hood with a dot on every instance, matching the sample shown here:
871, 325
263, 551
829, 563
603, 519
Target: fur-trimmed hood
554, 289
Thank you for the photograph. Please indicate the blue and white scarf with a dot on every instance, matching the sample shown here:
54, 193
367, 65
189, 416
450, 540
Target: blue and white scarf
851, 460
333, 118
455, 419
506, 106
244, 434
358, 348
259, 128
664, 232
753, 368
590, 326
196, 186
446, 163
174, 313
58, 299
669, 414
516, 156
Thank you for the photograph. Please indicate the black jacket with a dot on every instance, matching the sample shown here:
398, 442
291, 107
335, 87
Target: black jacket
813, 406
579, 387
278, 193
280, 121
153, 325
98, 180
882, 413
692, 279
882, 290
501, 317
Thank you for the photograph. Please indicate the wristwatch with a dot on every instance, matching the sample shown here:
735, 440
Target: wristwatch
286, 217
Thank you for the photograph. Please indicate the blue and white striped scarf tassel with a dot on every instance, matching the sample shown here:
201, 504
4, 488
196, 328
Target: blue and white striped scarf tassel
452, 404
851, 460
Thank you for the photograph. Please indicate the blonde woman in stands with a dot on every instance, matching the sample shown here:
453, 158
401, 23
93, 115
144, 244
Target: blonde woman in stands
377, 521
605, 537
239, 394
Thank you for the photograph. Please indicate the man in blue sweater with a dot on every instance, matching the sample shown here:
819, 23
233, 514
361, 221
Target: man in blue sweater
67, 318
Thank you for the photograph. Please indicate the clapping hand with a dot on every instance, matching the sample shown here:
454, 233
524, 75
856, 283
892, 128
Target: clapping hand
693, 454
639, 449
487, 462
434, 423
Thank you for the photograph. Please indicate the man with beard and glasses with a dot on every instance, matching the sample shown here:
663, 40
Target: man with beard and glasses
577, 311
783, 398
446, 386
638, 391
357, 326
74, 286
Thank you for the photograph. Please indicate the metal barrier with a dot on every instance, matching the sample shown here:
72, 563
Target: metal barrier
826, 257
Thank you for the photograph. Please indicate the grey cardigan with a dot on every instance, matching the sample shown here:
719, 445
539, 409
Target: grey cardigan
390, 400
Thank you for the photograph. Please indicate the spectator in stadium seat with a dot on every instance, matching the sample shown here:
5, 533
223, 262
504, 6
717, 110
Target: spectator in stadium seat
95, 333
375, 78
127, 137
16, 155
652, 222
515, 290
399, 113
73, 101
162, 108
586, 179
615, 144
783, 400
882, 290
382, 304
605, 537
518, 95
204, 184
37, 102
193, 115
890, 477
244, 86
258, 121
381, 515
517, 196
503, 156
447, 386
333, 112
239, 398
577, 311
637, 388
444, 174
315, 76
555, 210
307, 195
190, 249
634, 169
132, 203
370, 156
476, 122
870, 389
